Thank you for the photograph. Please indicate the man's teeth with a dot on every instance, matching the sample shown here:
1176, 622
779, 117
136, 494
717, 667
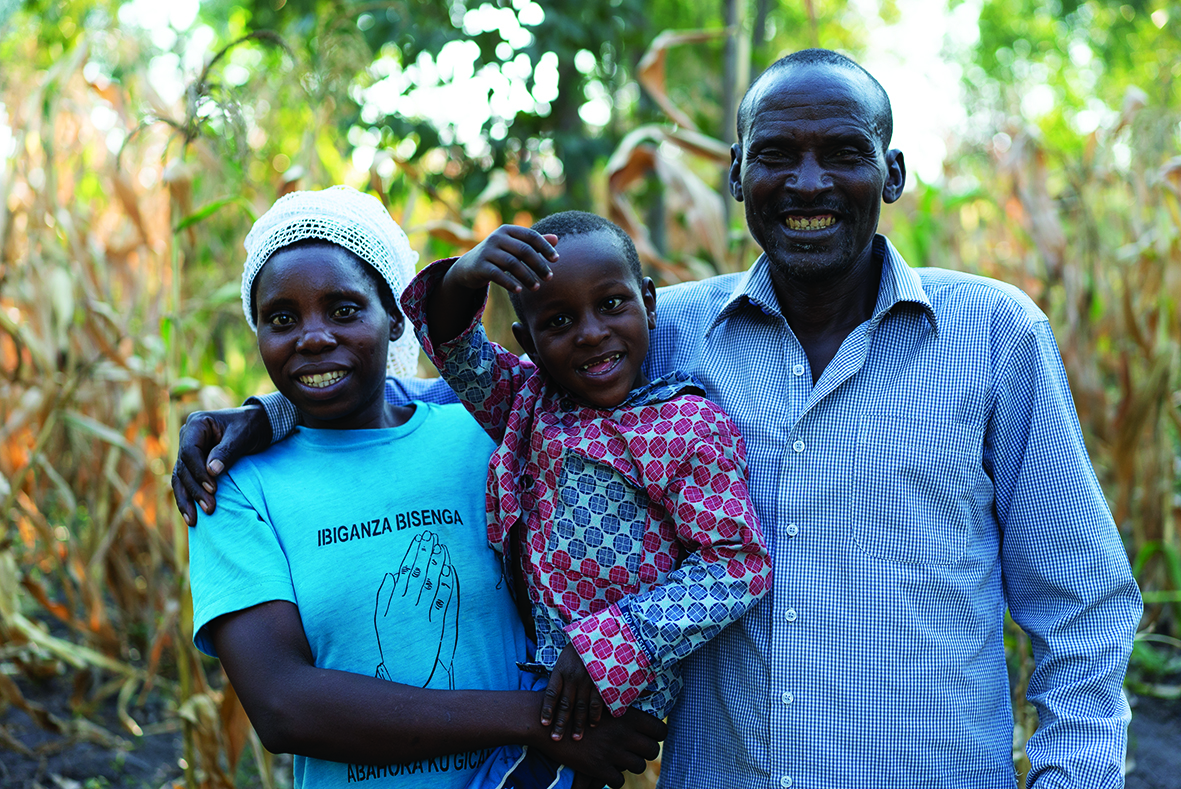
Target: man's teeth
601, 363
810, 222
320, 380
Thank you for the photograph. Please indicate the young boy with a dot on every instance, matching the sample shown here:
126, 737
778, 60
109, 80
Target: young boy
621, 501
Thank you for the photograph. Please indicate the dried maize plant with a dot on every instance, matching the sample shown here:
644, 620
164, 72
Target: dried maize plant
1104, 237
1095, 238
684, 234
96, 350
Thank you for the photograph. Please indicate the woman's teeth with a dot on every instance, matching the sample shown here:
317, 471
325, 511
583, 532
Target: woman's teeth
810, 222
320, 380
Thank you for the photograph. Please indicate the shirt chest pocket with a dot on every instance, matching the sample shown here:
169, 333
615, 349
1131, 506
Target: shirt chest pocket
598, 527
914, 483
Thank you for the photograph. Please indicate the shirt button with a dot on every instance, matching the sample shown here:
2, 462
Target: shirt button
792, 530
566, 404
798, 446
798, 369
787, 697
785, 782
791, 615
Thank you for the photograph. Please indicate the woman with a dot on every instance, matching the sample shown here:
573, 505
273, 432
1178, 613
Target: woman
344, 579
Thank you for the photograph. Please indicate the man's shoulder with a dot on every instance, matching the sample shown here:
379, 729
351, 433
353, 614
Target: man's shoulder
700, 294
951, 290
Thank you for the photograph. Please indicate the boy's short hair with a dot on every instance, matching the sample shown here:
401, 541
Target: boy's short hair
577, 223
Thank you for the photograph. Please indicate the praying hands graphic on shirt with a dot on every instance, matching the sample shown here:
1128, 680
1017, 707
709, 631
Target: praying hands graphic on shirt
425, 588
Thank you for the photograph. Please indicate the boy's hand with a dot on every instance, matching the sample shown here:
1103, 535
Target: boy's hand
514, 257
570, 697
616, 746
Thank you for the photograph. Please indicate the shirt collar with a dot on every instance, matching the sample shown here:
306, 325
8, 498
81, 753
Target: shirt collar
660, 390
900, 284
663, 389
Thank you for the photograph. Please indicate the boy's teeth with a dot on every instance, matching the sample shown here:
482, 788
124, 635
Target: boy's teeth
810, 222
602, 363
320, 380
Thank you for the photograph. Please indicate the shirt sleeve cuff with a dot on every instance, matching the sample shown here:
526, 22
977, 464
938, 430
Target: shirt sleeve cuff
280, 412
612, 656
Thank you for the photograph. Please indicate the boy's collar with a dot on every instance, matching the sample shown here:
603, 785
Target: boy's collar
664, 388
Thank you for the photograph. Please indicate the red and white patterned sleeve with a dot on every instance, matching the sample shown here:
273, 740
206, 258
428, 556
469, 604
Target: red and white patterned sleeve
727, 570
484, 375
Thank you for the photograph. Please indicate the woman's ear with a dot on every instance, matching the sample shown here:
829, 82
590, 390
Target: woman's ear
397, 325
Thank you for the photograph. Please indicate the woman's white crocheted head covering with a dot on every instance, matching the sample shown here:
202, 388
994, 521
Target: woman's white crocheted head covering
351, 219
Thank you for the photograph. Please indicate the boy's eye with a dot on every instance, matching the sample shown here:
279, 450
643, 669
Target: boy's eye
558, 322
612, 303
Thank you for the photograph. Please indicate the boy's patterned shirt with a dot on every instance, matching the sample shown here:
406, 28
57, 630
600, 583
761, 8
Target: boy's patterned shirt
639, 542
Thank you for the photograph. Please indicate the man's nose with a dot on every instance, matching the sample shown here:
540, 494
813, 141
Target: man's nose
810, 176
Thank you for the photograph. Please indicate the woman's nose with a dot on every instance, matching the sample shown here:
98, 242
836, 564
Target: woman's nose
315, 338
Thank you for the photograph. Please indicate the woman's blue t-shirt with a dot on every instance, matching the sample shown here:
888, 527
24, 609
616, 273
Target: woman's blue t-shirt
379, 537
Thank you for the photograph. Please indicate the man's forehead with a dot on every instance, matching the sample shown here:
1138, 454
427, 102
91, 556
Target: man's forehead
816, 89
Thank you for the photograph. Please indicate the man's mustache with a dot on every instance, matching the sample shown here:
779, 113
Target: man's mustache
818, 206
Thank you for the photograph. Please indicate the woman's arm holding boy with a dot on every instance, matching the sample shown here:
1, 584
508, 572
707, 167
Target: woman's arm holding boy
445, 303
335, 715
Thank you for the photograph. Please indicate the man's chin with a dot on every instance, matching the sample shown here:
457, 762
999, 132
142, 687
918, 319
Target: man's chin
809, 263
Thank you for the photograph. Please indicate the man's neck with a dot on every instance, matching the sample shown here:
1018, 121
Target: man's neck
822, 313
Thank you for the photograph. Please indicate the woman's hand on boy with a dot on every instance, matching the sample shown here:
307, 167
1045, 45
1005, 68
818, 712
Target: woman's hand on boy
605, 753
571, 698
514, 257
211, 442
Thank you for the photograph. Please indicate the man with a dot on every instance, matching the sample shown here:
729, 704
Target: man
917, 464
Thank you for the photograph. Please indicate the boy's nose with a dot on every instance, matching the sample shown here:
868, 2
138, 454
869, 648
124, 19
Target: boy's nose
592, 331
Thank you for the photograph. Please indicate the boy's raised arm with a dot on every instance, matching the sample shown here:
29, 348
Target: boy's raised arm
511, 256
445, 302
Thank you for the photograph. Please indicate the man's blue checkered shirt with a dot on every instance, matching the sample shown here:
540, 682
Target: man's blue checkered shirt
932, 477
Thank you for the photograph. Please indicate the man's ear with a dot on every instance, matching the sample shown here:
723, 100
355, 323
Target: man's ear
397, 325
895, 176
525, 340
648, 292
735, 176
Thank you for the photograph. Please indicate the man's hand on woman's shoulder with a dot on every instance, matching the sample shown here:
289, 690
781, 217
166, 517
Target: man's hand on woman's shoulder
211, 442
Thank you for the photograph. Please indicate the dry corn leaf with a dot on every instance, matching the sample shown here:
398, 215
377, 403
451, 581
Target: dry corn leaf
41, 716
13, 744
235, 725
650, 72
